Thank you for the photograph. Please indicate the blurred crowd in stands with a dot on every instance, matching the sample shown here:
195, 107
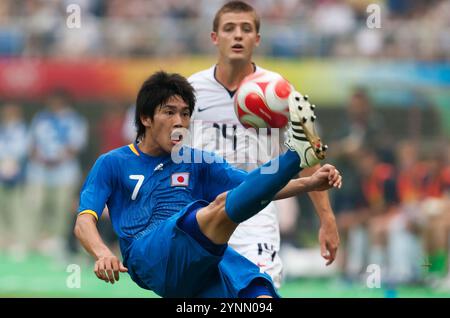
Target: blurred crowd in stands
416, 29
395, 208
40, 175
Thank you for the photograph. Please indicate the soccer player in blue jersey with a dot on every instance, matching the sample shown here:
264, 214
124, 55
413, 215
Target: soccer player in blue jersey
174, 219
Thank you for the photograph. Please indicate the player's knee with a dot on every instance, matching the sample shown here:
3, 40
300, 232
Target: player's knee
216, 212
220, 200
214, 221
219, 206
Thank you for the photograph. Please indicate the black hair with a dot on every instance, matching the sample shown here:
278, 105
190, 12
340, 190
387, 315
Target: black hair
156, 91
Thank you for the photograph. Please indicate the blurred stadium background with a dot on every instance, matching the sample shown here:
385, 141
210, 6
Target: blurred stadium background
384, 96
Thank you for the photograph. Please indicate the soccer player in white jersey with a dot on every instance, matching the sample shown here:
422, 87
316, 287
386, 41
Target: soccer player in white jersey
215, 127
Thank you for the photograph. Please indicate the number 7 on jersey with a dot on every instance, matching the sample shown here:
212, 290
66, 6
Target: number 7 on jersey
140, 180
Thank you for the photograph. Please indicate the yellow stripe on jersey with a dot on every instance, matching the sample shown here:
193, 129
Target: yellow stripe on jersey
133, 149
89, 212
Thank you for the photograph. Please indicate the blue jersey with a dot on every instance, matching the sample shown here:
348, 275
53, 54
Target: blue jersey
52, 133
52, 136
141, 191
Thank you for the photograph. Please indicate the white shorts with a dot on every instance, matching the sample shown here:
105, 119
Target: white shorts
266, 257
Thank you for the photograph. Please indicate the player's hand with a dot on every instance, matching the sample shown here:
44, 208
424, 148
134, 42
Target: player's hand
107, 268
325, 177
329, 240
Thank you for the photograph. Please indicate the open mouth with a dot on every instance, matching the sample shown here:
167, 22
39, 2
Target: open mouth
176, 136
237, 48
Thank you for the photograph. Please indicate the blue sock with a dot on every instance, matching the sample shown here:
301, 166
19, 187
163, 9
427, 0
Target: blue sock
256, 192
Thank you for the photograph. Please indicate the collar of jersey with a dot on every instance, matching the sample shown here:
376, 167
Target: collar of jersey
148, 157
231, 93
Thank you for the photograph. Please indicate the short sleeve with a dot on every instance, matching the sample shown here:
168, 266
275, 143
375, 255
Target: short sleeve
97, 188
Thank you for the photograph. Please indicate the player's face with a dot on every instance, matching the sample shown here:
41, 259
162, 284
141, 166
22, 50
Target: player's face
166, 121
236, 36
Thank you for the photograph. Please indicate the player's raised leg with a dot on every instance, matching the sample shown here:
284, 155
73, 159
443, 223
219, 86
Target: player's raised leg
218, 220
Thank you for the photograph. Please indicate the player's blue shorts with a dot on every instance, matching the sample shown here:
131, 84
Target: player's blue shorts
171, 263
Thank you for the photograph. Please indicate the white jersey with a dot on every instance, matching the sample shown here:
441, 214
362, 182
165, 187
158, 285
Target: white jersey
215, 127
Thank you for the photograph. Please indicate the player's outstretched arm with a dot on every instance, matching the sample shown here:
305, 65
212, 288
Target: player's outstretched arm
328, 237
328, 233
326, 177
323, 178
107, 265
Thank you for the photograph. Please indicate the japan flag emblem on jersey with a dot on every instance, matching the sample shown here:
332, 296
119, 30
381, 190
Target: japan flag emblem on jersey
180, 179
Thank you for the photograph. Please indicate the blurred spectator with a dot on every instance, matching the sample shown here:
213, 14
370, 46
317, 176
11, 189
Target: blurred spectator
75, 42
13, 152
109, 133
435, 209
359, 128
363, 224
369, 42
12, 36
362, 127
365, 209
332, 19
380, 191
57, 135
404, 250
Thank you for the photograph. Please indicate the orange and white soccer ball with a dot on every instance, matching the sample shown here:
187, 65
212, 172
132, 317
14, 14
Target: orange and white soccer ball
261, 101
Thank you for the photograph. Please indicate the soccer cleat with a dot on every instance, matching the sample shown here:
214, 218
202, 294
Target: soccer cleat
302, 136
